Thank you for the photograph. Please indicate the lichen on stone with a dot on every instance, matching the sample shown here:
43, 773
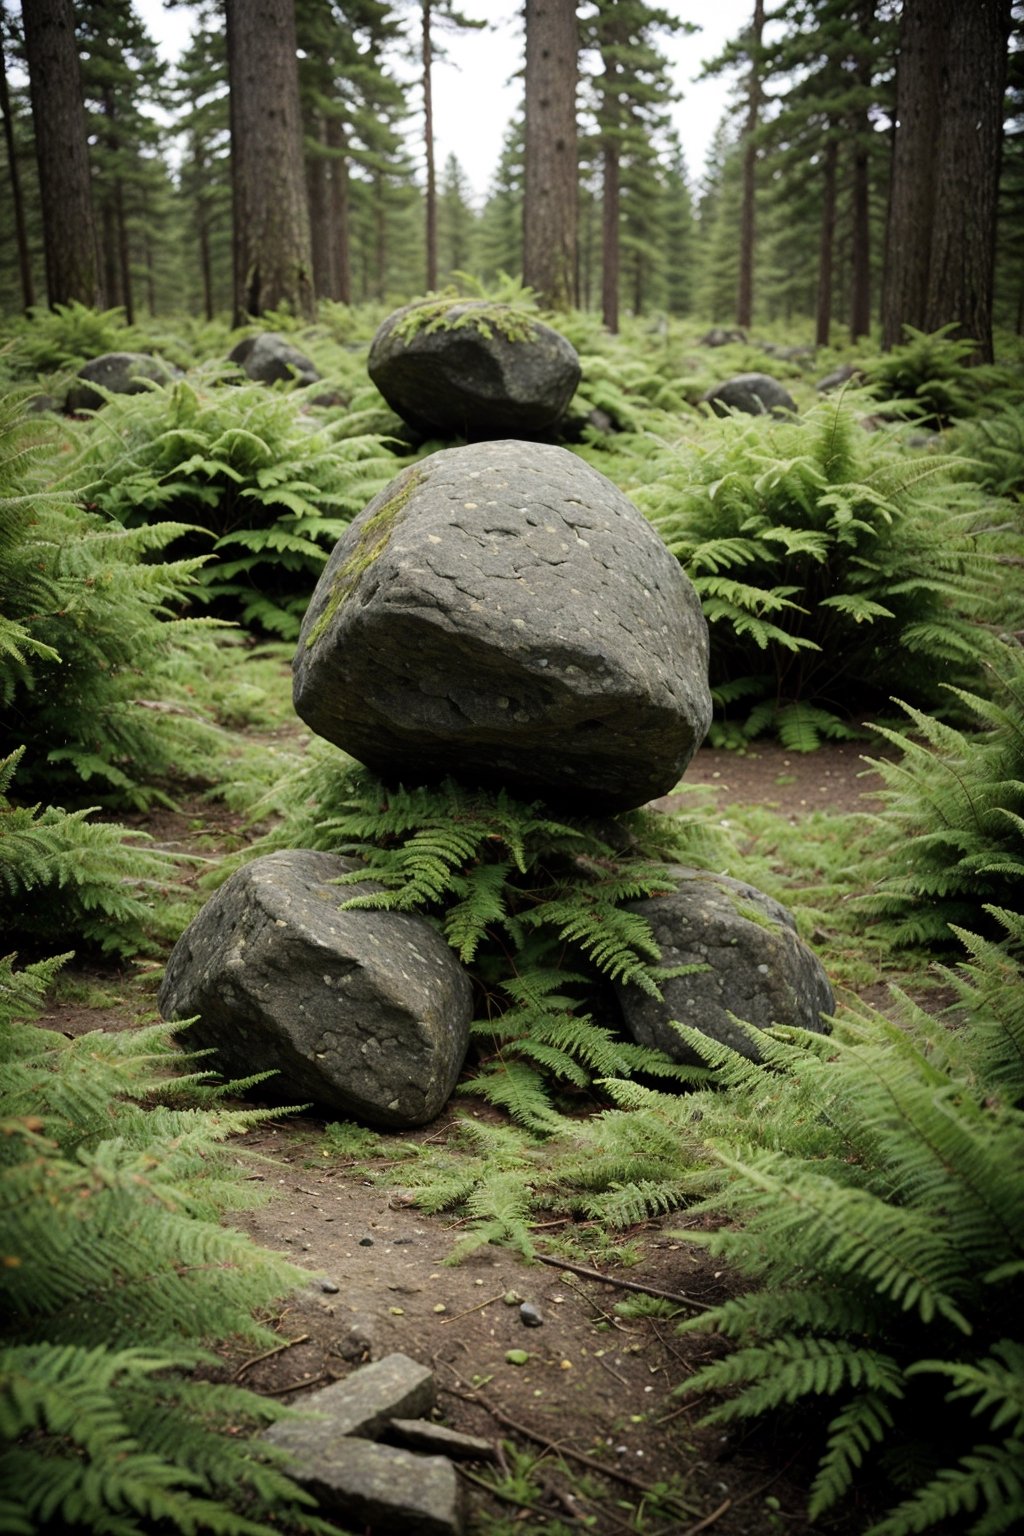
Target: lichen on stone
372, 542
437, 313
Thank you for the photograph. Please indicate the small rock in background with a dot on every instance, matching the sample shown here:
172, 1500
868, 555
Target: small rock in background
755, 394
460, 375
269, 359
122, 373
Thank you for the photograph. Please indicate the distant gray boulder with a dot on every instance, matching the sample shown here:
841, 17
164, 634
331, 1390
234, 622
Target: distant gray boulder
122, 373
756, 394
473, 370
269, 358
756, 967
365, 1013
720, 336
504, 614
846, 373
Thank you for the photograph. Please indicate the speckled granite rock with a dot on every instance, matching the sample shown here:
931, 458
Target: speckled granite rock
504, 614
365, 1013
756, 967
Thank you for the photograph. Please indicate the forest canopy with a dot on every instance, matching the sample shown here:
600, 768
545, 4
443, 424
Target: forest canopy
867, 170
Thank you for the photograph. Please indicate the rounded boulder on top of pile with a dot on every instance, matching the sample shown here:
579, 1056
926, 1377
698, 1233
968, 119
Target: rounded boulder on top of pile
470, 369
503, 614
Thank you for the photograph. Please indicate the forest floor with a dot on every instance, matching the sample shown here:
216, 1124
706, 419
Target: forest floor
589, 1434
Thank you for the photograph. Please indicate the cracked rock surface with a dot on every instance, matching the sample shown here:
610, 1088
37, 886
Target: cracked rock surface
756, 967
504, 614
365, 1013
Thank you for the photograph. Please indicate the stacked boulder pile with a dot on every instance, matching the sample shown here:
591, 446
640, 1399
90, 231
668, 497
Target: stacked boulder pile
502, 615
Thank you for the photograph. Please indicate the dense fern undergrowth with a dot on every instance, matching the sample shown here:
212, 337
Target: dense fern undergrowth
154, 554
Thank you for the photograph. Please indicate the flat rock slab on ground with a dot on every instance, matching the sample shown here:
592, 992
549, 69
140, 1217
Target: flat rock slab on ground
504, 614
758, 969
365, 1012
383, 1489
388, 1489
364, 1404
473, 369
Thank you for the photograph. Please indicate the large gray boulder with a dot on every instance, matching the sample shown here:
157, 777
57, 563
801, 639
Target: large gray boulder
474, 370
364, 1012
756, 967
755, 394
270, 359
504, 614
122, 373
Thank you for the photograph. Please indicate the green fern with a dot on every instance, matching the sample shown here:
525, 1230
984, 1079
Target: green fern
64, 877
116, 1273
955, 811
827, 560
871, 1188
264, 490
94, 673
534, 904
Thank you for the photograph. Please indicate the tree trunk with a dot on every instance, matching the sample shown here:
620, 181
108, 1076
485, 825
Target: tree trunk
28, 296
914, 155
124, 256
428, 144
828, 234
610, 238
551, 200
341, 235
318, 191
745, 293
62, 155
860, 131
115, 233
860, 294
272, 260
961, 271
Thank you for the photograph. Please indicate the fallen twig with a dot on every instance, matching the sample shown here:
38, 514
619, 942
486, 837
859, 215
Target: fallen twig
480, 1304
624, 1285
605, 1469
267, 1353
702, 1525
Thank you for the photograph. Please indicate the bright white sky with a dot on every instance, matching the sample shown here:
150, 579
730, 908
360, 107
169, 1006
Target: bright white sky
475, 96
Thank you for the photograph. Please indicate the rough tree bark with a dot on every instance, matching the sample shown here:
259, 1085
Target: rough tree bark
745, 292
62, 155
28, 296
551, 201
828, 232
940, 238
272, 260
340, 234
860, 129
428, 145
318, 192
961, 272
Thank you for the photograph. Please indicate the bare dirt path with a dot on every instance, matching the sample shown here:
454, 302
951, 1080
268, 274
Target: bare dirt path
589, 1433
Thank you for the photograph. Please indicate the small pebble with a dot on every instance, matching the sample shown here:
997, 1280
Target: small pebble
330, 1287
402, 1241
529, 1316
366, 1242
